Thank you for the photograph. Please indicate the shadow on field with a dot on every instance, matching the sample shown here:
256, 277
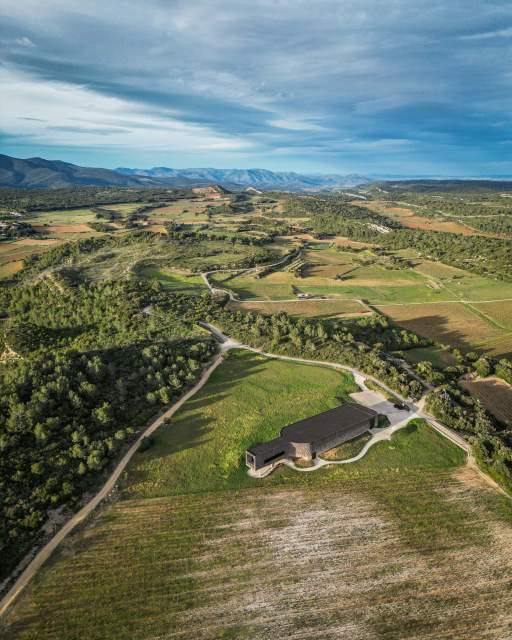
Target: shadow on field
178, 436
437, 328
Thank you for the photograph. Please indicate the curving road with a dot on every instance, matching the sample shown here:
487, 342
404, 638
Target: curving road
359, 377
46, 551
226, 343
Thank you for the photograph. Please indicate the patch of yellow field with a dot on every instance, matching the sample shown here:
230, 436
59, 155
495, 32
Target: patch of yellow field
494, 394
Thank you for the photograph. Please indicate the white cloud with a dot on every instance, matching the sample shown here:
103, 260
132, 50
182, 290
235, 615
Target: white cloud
24, 41
489, 35
62, 114
294, 124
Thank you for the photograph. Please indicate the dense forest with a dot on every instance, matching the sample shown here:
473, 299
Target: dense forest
22, 200
83, 371
474, 253
342, 342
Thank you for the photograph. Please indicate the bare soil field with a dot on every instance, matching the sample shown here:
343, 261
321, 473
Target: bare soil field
305, 308
494, 394
412, 220
65, 228
451, 323
339, 241
407, 543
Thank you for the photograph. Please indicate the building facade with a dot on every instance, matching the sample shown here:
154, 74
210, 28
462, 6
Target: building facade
312, 436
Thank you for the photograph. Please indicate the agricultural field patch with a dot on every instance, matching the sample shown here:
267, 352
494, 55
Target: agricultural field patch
61, 217
414, 220
452, 323
501, 311
474, 288
338, 241
8, 269
13, 253
440, 358
195, 549
438, 270
304, 308
495, 394
174, 280
65, 228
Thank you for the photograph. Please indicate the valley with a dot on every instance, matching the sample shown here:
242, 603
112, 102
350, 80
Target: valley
103, 300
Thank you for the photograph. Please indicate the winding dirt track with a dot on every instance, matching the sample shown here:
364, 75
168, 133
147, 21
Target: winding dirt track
226, 343
43, 555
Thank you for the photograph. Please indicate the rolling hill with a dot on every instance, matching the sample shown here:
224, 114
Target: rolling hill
54, 174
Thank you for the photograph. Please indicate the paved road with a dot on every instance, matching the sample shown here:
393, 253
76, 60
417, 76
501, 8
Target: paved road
43, 555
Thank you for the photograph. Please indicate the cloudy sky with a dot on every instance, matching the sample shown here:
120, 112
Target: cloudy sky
388, 86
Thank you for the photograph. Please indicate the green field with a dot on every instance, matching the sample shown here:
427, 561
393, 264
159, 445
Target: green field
173, 281
438, 357
203, 448
59, 217
302, 308
195, 549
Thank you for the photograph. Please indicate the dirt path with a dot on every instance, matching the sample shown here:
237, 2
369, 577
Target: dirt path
378, 435
226, 343
418, 409
44, 553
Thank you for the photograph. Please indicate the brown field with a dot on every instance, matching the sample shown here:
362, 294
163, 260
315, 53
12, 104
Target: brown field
30, 242
155, 228
412, 220
8, 269
451, 323
437, 270
339, 241
494, 394
65, 228
306, 308
501, 311
13, 253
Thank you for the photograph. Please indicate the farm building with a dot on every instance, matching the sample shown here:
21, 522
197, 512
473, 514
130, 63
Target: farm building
311, 436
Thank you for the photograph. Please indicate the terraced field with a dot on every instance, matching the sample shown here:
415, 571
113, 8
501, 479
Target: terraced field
407, 543
12, 253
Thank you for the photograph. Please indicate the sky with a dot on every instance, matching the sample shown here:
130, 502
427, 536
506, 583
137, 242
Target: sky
408, 87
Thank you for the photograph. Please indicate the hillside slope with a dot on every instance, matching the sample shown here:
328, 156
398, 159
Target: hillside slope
52, 174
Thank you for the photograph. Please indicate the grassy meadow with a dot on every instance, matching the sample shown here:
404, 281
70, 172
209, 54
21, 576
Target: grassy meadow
193, 548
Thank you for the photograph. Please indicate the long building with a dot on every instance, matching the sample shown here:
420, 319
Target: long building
312, 436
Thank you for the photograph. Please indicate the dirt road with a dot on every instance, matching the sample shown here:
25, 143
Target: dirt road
44, 553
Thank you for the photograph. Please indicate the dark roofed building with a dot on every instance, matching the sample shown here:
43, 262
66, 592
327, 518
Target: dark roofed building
314, 435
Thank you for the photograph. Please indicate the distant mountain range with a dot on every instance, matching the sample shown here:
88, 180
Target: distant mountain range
258, 178
54, 174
